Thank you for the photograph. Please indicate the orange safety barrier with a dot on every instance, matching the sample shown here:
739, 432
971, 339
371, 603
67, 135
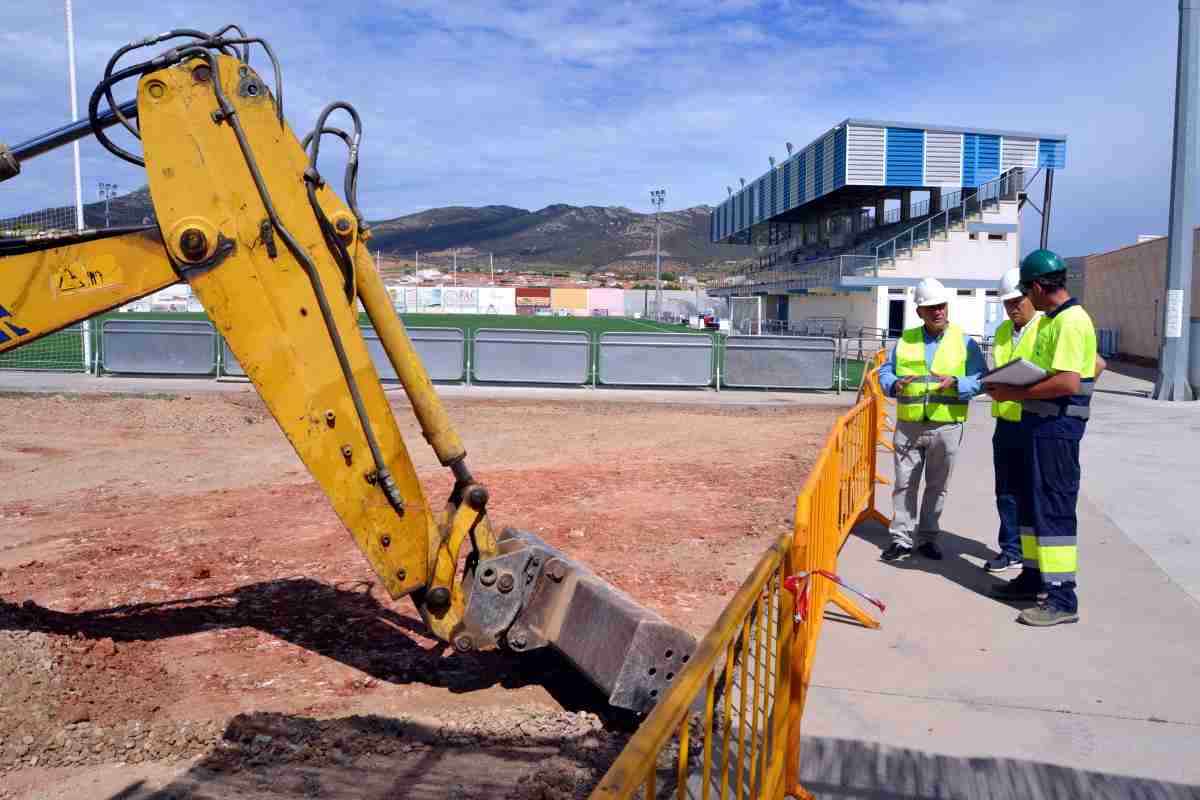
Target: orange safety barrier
730, 725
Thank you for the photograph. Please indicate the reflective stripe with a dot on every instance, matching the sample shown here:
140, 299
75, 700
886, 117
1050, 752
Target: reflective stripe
1058, 559
1056, 541
1058, 577
1086, 387
931, 399
1029, 547
1042, 408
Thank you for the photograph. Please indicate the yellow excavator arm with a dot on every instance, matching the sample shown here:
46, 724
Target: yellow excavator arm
280, 264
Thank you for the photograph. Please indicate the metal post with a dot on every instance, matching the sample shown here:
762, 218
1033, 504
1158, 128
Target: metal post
1172, 384
657, 196
1046, 207
454, 279
492, 267
86, 328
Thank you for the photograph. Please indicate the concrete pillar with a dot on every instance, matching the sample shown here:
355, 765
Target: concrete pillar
906, 205
880, 210
935, 199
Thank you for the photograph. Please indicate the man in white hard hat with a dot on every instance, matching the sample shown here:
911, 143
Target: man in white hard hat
933, 372
1014, 339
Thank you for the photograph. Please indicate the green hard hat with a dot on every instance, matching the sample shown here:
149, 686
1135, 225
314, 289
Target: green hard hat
1039, 263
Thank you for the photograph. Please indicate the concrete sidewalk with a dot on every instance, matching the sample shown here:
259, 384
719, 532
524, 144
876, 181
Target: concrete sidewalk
952, 698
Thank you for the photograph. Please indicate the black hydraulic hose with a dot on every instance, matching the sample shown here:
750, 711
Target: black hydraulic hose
266, 46
100, 91
121, 51
229, 114
245, 48
351, 176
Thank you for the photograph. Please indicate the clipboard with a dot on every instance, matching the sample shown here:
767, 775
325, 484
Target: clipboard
1015, 373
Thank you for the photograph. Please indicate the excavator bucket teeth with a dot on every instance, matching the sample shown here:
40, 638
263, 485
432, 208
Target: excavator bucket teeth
531, 595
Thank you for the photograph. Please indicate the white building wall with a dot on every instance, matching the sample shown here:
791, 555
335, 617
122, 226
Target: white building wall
961, 256
857, 308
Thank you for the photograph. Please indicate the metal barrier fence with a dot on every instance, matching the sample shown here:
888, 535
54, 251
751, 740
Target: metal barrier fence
656, 359
686, 360
442, 351
779, 362
158, 347
763, 645
530, 356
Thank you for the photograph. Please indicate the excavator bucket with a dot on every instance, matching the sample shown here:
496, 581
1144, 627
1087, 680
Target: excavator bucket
531, 595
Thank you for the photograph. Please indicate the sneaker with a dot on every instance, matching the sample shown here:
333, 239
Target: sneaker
931, 551
1020, 589
896, 551
1002, 563
1044, 615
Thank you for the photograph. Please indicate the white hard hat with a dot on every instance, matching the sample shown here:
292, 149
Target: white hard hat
930, 292
1010, 284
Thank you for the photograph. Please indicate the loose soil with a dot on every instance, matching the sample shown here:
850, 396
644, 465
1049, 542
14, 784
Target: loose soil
182, 615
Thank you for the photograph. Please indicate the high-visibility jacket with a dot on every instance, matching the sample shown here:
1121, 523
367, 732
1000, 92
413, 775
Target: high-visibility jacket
1066, 342
1003, 352
919, 401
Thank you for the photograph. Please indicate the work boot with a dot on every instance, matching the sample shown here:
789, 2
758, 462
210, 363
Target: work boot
1044, 615
931, 551
1023, 588
896, 551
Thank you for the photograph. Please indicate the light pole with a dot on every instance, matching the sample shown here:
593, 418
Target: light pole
657, 197
108, 191
1172, 383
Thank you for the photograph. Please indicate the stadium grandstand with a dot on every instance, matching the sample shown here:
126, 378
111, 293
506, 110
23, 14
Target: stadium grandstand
846, 227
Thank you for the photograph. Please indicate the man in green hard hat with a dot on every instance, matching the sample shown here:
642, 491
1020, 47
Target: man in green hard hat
1054, 414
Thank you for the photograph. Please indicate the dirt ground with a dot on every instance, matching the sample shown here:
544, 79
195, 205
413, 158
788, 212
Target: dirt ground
182, 615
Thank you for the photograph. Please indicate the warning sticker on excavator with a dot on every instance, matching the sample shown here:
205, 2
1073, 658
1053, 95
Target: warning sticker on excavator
99, 273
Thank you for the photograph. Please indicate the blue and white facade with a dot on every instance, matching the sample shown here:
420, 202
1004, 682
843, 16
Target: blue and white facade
847, 226
871, 153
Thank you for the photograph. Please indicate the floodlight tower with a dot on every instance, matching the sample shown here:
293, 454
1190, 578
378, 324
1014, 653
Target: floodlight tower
658, 197
108, 191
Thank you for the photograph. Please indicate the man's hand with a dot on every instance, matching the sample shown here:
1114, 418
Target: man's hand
1004, 392
946, 382
900, 383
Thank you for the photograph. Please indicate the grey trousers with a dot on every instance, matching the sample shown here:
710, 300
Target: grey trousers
922, 446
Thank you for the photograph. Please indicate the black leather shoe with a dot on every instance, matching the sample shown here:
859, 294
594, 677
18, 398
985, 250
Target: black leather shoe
896, 551
930, 550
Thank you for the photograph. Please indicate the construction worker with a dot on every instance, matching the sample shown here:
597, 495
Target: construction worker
933, 372
1014, 340
1054, 414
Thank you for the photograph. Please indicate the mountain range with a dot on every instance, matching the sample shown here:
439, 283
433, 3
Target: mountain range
573, 237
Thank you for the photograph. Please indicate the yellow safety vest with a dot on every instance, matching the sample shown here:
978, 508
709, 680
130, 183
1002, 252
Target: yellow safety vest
1004, 352
1075, 353
917, 401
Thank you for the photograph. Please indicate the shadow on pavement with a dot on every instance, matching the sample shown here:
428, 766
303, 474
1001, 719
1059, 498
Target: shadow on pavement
344, 623
954, 565
841, 768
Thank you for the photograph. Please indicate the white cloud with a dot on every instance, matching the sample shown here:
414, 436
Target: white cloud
523, 104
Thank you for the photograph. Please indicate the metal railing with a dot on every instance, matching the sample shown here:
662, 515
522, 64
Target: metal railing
958, 208
868, 259
698, 741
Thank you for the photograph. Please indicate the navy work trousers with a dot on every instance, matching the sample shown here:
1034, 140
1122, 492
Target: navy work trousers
1008, 460
1046, 507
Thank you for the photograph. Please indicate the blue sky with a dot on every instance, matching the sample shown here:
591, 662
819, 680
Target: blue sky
524, 104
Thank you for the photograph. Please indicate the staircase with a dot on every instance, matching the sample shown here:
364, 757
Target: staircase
961, 208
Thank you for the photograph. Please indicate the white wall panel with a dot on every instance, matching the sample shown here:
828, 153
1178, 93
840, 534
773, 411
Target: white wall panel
865, 156
943, 159
1018, 153
830, 157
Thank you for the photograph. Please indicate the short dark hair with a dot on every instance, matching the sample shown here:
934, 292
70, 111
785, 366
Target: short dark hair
1051, 281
